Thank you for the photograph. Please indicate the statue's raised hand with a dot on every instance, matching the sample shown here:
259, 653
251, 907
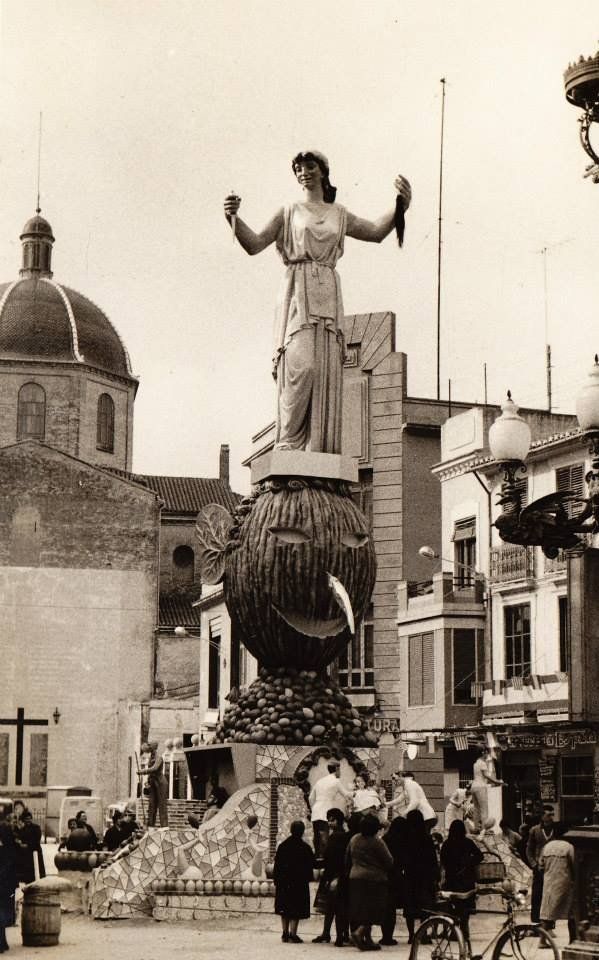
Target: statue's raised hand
404, 190
232, 204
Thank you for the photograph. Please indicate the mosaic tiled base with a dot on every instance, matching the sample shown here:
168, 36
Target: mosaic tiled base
189, 907
225, 848
291, 805
274, 761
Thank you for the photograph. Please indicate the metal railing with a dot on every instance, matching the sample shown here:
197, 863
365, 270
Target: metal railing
510, 562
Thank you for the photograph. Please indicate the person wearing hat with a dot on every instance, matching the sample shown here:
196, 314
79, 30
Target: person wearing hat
327, 793
309, 349
157, 784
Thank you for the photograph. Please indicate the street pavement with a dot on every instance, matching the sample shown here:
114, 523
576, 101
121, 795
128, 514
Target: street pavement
250, 937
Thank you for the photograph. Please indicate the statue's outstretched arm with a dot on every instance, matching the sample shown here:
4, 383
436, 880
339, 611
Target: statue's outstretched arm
251, 241
374, 231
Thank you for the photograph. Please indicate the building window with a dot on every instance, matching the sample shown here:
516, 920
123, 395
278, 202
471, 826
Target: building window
564, 635
421, 669
356, 663
577, 797
31, 412
38, 759
577, 776
235, 657
464, 552
214, 667
183, 566
466, 644
571, 478
105, 424
517, 640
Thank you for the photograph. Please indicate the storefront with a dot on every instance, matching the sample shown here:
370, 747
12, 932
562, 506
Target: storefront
558, 767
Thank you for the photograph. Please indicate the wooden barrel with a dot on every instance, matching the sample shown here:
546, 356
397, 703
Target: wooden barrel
40, 914
40, 919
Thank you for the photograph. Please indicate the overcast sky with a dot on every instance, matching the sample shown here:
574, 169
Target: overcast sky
154, 110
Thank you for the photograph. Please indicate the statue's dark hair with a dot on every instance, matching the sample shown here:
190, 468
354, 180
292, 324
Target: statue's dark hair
329, 192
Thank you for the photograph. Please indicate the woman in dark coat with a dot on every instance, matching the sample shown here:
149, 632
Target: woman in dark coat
28, 842
370, 865
459, 858
420, 870
293, 871
394, 839
8, 880
82, 824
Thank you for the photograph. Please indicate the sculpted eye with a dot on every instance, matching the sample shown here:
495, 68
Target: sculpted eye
355, 540
290, 534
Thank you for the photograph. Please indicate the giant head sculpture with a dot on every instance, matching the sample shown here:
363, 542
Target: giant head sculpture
298, 566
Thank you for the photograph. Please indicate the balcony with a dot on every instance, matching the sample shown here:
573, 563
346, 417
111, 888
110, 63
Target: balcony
510, 563
444, 590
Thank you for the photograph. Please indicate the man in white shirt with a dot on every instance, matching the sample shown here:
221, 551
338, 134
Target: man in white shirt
413, 798
327, 793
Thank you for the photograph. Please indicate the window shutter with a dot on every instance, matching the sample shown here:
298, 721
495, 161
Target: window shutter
428, 668
415, 671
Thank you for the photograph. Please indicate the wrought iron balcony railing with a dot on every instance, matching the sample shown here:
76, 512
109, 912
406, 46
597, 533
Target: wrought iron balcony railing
510, 562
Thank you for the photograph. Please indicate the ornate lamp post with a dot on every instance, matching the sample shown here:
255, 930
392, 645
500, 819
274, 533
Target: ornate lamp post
581, 81
546, 522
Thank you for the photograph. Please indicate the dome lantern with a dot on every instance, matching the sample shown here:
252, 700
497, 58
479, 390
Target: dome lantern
37, 240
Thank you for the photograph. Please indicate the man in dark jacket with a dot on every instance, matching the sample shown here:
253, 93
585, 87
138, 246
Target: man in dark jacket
333, 883
537, 838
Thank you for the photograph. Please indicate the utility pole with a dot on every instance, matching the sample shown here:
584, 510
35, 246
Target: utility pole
439, 244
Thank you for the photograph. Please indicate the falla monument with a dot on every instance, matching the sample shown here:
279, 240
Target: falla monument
298, 568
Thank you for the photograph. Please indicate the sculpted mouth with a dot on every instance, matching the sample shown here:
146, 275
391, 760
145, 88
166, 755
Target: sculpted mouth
312, 627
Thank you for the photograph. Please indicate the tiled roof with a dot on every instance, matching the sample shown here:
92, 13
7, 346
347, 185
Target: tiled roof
178, 612
189, 494
42, 320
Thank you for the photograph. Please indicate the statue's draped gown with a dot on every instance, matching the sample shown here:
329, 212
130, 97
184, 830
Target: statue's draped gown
309, 329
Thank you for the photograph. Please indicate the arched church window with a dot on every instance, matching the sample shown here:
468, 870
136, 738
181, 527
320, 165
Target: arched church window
183, 566
31, 412
105, 424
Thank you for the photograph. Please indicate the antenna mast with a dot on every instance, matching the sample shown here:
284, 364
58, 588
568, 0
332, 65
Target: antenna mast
39, 164
440, 243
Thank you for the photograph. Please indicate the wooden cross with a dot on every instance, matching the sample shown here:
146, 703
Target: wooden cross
20, 724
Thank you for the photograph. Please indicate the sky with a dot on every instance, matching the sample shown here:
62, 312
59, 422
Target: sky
153, 110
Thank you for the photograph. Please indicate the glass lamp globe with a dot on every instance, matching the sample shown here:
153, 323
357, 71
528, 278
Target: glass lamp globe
587, 401
509, 435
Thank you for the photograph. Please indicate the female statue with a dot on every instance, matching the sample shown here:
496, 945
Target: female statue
308, 357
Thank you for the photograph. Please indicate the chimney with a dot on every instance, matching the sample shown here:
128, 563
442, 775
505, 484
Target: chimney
223, 473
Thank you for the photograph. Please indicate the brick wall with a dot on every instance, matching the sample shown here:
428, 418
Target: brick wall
78, 580
388, 387
71, 409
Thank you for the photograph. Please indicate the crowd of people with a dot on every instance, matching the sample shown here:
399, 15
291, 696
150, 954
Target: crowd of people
378, 856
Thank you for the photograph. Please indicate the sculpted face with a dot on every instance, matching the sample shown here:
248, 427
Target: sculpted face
307, 172
300, 576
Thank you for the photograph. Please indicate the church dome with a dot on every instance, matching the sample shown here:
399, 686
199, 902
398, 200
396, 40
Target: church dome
41, 319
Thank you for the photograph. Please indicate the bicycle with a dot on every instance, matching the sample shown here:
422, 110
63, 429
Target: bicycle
440, 937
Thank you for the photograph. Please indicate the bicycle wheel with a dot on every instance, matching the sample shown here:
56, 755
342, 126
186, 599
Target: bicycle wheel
525, 943
438, 938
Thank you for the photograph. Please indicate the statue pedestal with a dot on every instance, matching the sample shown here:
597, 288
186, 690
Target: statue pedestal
304, 463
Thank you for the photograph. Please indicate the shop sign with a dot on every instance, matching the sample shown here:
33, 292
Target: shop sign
557, 739
384, 725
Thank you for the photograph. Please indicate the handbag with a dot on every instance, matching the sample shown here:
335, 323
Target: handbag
492, 869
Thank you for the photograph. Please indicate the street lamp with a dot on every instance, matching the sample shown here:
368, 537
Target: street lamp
429, 554
581, 81
546, 522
